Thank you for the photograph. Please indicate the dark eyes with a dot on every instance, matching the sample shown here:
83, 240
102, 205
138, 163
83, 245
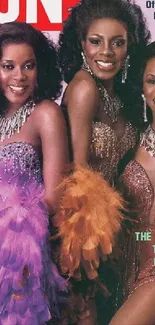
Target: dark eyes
27, 66
151, 81
95, 41
119, 42
116, 42
7, 66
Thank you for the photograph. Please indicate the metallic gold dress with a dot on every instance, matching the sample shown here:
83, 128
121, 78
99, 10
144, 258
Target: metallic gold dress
138, 185
107, 149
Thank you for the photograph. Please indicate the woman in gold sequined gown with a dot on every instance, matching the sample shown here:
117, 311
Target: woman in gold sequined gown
138, 186
97, 59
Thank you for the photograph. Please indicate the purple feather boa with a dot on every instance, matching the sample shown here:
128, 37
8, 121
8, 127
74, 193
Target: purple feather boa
30, 285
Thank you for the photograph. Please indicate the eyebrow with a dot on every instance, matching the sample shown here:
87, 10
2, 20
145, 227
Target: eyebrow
150, 75
7, 60
99, 35
11, 61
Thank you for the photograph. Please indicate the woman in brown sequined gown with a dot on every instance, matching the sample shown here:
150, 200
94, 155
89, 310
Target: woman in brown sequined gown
96, 99
138, 186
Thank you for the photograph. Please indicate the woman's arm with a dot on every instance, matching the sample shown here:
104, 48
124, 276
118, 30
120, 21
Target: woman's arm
138, 308
82, 102
52, 132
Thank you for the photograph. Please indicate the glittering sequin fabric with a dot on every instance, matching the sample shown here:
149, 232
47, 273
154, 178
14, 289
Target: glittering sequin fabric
23, 157
107, 150
138, 260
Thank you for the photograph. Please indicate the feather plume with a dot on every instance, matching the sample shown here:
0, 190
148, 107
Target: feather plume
88, 219
28, 279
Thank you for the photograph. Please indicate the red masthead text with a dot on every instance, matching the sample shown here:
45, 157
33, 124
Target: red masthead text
46, 15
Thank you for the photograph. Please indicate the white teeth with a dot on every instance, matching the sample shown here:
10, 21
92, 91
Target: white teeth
105, 64
17, 89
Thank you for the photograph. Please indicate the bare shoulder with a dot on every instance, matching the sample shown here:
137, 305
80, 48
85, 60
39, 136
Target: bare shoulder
83, 85
48, 113
47, 108
82, 92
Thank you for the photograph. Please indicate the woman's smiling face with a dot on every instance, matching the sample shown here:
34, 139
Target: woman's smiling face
18, 73
105, 47
149, 83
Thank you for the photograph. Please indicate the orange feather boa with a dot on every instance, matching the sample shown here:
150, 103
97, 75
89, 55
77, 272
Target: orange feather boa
88, 219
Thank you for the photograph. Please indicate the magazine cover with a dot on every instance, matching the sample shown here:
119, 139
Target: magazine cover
77, 162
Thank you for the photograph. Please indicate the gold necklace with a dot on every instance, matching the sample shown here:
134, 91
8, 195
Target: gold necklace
112, 105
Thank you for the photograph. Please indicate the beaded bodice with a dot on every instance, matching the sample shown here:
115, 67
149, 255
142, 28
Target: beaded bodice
137, 186
107, 150
21, 158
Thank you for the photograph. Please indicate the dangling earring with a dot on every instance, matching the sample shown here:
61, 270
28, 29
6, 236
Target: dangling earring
85, 65
125, 69
145, 108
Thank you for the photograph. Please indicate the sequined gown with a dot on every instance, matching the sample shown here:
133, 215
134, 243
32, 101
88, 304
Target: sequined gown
29, 282
138, 264
107, 150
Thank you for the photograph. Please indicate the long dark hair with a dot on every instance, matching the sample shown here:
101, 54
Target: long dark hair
75, 30
148, 53
48, 73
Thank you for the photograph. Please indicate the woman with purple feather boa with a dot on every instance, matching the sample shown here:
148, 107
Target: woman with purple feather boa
33, 151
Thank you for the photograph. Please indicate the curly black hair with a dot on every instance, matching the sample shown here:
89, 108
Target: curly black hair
138, 104
75, 30
76, 26
48, 72
148, 54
